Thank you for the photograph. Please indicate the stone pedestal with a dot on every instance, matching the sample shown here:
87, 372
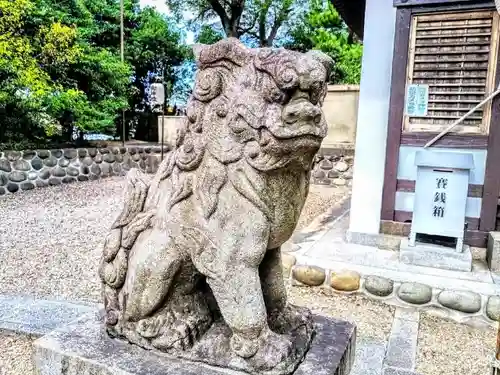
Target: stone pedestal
436, 256
83, 347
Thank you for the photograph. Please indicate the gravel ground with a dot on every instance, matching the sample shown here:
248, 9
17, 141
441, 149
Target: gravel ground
15, 355
445, 347
51, 238
373, 319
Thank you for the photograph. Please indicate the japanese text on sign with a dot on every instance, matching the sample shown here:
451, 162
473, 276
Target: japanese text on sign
417, 99
440, 197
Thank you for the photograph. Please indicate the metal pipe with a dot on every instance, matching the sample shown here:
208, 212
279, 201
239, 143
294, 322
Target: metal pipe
122, 52
162, 129
488, 98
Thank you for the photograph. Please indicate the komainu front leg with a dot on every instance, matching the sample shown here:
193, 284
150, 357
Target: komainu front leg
282, 317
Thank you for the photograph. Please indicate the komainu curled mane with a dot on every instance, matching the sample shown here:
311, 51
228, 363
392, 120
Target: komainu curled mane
192, 266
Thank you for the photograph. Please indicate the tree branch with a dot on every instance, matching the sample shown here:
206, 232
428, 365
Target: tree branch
278, 22
221, 12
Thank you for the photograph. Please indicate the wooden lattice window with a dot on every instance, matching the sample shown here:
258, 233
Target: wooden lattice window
455, 55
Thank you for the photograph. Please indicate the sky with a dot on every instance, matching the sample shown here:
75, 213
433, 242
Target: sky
162, 7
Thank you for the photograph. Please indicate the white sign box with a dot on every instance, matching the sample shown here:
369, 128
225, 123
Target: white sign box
441, 194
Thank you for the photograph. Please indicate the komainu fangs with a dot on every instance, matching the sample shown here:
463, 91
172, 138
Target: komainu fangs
192, 265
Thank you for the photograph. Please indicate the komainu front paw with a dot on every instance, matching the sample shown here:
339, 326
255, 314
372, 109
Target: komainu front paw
290, 319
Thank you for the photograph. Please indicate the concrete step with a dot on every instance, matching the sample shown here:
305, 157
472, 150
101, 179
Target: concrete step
27, 315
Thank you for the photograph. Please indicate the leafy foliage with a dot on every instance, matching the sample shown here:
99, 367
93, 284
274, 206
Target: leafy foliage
61, 71
260, 20
322, 28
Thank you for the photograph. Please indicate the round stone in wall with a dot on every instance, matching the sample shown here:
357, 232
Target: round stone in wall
341, 166
83, 178
93, 177
68, 180
41, 183
82, 152
63, 162
72, 171
28, 154
17, 176
70, 153
467, 302
493, 308
379, 286
21, 165
3, 179
132, 150
136, 157
13, 155
115, 150
58, 172
2, 191
84, 169
117, 168
5, 165
92, 152
345, 281
326, 164
333, 174
56, 153
348, 174
32, 175
50, 162
37, 163
87, 161
105, 169
27, 185
44, 174
95, 169
108, 158
339, 182
309, 275
98, 158
104, 151
12, 188
119, 158
318, 173
44, 154
54, 181
415, 293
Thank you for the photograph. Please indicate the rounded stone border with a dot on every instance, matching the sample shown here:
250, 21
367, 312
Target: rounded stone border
461, 306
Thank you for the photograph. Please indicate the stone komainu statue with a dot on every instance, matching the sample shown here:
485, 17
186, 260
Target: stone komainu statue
192, 265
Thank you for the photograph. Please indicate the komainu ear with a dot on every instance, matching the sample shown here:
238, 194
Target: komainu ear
227, 49
323, 58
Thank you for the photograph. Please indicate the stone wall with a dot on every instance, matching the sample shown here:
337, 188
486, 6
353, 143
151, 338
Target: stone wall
333, 166
25, 170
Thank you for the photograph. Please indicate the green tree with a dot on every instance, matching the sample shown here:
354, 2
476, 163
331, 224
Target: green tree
259, 19
60, 66
322, 28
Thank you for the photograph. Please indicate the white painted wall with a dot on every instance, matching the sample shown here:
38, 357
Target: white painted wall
407, 169
371, 132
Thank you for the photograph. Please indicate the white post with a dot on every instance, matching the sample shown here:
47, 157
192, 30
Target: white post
371, 131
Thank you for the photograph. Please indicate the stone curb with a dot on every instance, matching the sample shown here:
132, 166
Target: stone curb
26, 315
464, 307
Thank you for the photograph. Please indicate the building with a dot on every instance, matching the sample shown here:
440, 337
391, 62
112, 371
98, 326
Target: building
450, 47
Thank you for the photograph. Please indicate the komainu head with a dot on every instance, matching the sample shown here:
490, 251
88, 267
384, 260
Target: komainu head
262, 105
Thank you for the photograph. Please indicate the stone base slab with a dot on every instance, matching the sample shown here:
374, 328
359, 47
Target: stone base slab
428, 255
83, 347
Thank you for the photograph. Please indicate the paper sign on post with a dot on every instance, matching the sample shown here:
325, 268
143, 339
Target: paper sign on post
417, 99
